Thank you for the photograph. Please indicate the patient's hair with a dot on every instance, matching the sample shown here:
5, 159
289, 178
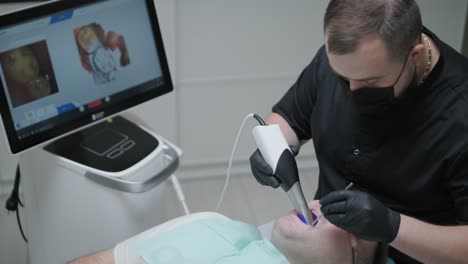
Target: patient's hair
380, 256
381, 253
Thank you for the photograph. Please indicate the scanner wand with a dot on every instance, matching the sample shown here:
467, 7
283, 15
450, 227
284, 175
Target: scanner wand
278, 155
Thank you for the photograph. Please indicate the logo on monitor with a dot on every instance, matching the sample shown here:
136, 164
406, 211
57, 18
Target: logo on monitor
97, 116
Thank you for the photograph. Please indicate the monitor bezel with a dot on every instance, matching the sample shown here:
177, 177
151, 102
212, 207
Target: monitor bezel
50, 8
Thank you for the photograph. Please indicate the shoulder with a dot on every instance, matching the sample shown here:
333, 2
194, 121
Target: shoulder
322, 53
319, 67
453, 67
450, 79
321, 57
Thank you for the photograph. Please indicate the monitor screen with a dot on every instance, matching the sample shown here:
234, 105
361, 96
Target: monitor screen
66, 64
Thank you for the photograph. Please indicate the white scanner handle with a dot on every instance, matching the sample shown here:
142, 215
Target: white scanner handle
271, 143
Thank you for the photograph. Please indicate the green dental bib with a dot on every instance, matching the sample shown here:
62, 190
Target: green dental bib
208, 241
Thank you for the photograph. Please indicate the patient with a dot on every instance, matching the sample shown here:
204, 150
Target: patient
184, 240
324, 243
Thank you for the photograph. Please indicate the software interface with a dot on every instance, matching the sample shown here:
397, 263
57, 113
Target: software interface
72, 62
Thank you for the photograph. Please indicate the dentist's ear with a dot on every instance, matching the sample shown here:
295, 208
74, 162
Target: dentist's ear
418, 51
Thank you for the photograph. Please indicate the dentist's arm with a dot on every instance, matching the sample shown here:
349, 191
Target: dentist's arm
287, 131
430, 243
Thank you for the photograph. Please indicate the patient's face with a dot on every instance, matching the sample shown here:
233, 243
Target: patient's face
323, 243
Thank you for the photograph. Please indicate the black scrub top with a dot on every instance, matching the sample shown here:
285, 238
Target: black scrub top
413, 158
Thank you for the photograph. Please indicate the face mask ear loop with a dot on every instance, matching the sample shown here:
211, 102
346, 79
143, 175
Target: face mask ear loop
353, 243
402, 70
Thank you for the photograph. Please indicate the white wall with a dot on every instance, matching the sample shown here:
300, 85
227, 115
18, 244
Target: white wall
227, 59
446, 19
234, 58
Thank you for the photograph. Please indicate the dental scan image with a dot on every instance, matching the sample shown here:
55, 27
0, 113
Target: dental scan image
28, 72
101, 53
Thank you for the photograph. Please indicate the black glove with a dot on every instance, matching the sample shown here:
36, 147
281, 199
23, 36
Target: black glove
262, 172
361, 214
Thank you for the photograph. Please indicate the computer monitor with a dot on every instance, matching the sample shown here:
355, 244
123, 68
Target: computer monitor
67, 64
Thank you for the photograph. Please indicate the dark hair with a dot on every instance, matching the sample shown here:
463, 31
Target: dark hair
397, 22
381, 253
379, 256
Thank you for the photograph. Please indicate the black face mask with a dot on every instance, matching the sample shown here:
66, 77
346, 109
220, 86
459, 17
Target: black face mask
379, 100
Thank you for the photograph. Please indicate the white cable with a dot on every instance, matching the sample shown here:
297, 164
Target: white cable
180, 193
228, 175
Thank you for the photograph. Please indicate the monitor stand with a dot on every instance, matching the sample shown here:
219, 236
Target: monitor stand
92, 189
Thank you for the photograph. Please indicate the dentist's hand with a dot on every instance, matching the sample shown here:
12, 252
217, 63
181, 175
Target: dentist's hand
262, 172
361, 214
